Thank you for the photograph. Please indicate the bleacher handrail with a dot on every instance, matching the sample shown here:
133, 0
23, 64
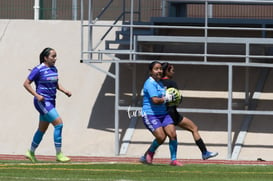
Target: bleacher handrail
134, 58
224, 1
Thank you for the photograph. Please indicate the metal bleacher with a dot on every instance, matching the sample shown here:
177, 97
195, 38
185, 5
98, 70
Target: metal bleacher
204, 40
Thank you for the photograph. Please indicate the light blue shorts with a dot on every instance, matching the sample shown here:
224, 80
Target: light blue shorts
50, 116
47, 110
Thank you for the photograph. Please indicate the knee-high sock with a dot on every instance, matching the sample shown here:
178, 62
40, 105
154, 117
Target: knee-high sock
173, 149
154, 146
201, 145
37, 138
58, 137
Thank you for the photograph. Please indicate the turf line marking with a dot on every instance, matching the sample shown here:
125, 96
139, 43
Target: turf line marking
70, 169
132, 171
43, 178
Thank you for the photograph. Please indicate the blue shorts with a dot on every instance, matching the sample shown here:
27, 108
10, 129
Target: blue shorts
152, 122
47, 110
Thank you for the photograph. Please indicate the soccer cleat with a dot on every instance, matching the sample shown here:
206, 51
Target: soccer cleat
142, 159
208, 155
147, 158
31, 156
60, 157
176, 163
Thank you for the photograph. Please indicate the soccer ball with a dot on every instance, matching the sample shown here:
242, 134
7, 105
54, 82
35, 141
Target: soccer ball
176, 95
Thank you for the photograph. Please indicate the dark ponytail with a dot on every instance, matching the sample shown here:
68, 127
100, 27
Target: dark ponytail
45, 53
166, 67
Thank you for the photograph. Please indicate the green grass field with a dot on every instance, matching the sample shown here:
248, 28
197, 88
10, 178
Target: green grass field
22, 170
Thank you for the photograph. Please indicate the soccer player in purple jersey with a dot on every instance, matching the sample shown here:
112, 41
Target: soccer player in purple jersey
45, 77
180, 120
155, 116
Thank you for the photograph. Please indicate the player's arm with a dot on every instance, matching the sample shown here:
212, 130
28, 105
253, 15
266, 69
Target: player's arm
63, 90
28, 87
162, 100
158, 100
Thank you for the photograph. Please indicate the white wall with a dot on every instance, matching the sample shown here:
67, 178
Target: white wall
21, 42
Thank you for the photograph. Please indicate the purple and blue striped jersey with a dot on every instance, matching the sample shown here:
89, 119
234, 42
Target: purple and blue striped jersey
46, 80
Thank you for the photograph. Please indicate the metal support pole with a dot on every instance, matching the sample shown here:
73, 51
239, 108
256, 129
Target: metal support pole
210, 11
139, 10
90, 28
82, 13
206, 32
123, 10
74, 9
117, 108
247, 93
247, 76
134, 76
54, 9
36, 8
230, 77
131, 28
163, 7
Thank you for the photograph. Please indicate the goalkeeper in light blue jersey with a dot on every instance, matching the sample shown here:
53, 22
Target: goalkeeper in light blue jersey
45, 77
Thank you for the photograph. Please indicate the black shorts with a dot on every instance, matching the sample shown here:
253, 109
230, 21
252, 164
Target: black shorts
177, 118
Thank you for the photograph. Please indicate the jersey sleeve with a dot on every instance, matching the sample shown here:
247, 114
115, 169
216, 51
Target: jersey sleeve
33, 74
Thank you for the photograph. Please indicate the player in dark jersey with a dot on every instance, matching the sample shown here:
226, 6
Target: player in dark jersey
180, 120
45, 77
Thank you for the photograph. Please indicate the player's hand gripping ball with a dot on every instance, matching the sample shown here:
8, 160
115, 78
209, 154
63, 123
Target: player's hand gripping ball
176, 96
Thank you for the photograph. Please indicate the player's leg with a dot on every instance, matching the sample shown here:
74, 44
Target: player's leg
37, 138
53, 117
170, 130
160, 137
189, 125
156, 129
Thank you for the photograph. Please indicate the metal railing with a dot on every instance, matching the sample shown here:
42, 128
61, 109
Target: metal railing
94, 55
70, 9
40, 9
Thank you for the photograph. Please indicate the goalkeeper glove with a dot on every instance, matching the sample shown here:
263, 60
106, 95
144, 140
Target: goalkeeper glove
168, 97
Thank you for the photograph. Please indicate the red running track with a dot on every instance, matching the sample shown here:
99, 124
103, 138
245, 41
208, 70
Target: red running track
120, 159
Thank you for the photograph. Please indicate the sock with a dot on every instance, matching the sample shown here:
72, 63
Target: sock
58, 137
37, 138
153, 146
173, 149
201, 145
